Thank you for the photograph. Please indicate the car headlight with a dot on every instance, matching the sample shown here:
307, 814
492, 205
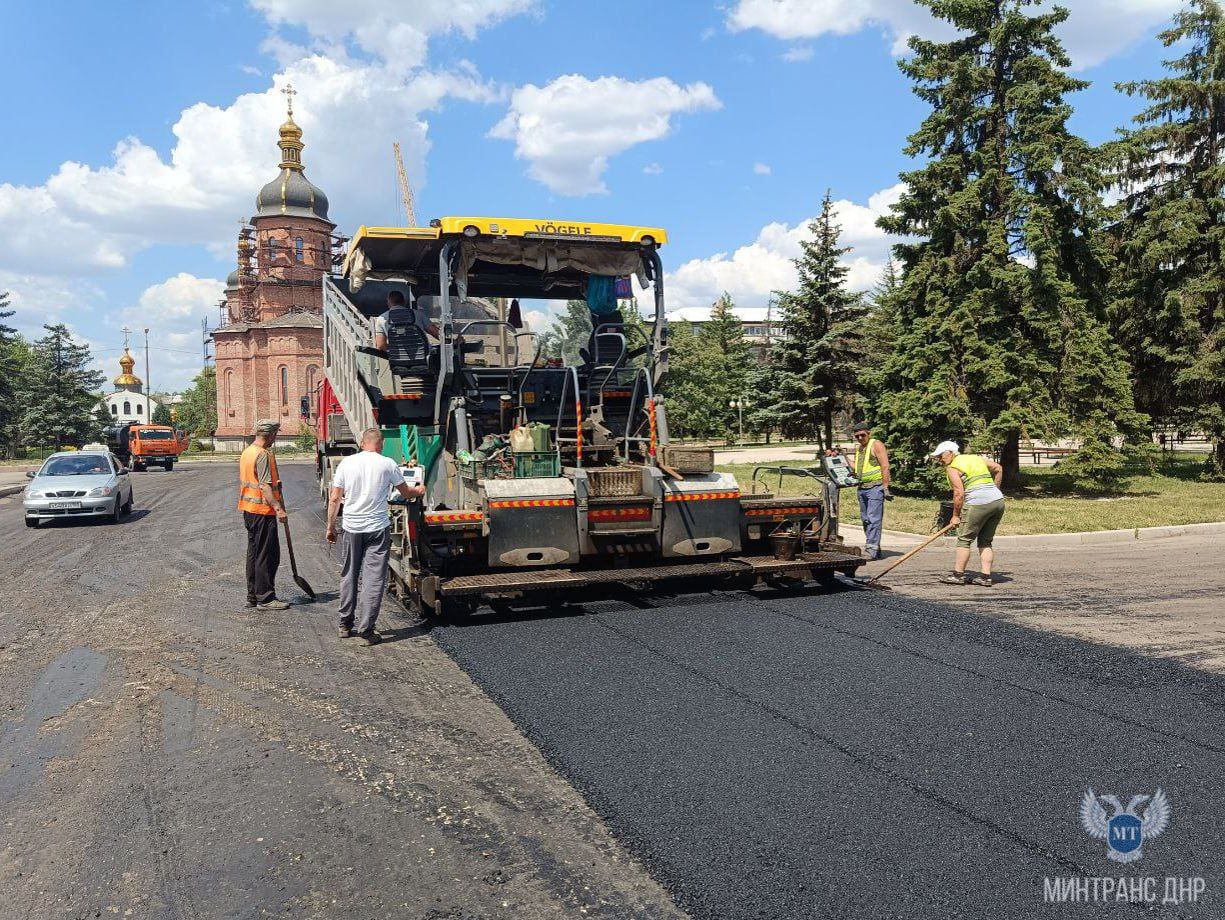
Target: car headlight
100, 491
34, 493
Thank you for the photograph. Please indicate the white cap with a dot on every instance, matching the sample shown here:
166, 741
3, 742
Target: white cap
943, 446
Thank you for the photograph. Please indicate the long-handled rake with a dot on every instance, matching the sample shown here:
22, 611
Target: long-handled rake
874, 581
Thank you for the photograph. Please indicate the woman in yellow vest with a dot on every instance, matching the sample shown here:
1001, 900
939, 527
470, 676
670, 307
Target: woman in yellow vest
978, 506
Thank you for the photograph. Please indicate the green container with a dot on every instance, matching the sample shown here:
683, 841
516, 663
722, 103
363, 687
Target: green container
535, 464
540, 436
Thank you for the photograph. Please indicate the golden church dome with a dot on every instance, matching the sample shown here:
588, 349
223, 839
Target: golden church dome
126, 378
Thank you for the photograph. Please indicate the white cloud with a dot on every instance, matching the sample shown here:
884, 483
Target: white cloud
172, 311
752, 272
797, 53
1095, 30
652, 169
568, 129
89, 218
761, 169
395, 30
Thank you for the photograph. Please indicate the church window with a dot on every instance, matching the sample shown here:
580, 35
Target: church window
298, 249
114, 408
127, 407
284, 385
140, 408
229, 390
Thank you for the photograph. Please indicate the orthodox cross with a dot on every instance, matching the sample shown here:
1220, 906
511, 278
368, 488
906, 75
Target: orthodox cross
289, 92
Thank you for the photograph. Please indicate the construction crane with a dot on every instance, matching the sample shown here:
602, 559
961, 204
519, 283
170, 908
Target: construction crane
406, 190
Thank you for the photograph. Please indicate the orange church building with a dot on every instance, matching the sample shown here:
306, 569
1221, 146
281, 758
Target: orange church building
269, 351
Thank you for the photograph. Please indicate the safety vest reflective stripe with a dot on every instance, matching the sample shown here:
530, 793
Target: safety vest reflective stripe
975, 474
250, 495
867, 470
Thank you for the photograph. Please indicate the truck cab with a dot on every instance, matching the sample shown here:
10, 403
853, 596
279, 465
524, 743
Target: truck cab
141, 446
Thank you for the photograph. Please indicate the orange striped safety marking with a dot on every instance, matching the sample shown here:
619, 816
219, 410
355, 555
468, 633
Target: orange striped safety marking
454, 517
774, 512
619, 514
533, 503
699, 496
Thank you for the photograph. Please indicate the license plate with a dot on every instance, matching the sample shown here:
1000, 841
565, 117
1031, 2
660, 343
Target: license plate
65, 505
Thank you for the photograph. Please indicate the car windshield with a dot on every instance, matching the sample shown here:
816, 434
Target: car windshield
82, 465
154, 435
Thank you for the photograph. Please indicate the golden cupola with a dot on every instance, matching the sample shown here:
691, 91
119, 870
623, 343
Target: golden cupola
126, 379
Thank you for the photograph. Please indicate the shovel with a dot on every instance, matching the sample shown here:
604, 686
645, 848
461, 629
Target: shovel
293, 564
874, 581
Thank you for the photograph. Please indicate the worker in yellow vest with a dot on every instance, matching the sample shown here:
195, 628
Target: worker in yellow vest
871, 468
978, 506
259, 499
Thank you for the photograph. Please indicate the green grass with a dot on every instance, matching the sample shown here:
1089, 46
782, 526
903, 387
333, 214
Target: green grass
1047, 501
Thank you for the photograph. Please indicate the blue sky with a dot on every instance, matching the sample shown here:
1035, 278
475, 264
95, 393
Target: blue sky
138, 134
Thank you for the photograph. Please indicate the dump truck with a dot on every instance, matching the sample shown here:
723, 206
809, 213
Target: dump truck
139, 446
544, 478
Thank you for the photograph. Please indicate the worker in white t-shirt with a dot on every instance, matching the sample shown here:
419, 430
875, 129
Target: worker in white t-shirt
363, 481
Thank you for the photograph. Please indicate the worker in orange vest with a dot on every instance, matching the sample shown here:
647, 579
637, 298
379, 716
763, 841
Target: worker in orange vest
259, 499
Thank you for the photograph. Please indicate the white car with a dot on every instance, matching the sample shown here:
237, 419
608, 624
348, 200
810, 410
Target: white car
86, 483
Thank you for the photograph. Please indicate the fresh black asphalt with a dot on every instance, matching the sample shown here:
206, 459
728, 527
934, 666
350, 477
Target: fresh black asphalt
858, 754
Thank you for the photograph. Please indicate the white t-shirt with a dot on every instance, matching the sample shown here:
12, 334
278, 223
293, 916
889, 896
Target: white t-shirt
367, 479
420, 319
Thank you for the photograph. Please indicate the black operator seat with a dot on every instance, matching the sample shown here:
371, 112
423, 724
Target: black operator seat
408, 348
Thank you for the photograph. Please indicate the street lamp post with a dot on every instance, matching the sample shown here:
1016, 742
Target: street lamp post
739, 405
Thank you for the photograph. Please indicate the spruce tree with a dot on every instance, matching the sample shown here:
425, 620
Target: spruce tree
1170, 309
11, 376
819, 359
880, 336
1001, 313
63, 391
730, 362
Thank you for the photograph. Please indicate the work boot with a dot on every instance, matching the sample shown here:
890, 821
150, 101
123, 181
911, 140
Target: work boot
273, 604
345, 632
983, 581
954, 578
370, 638
871, 552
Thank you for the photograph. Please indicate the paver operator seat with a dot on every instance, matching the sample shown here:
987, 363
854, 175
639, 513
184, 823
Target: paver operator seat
413, 363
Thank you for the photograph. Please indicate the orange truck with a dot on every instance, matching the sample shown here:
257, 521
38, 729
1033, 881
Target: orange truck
141, 446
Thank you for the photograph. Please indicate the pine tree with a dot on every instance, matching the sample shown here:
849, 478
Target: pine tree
1000, 317
692, 371
161, 415
63, 391
819, 359
1170, 309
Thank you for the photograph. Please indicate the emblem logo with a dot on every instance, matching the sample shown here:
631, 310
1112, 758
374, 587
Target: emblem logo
1124, 831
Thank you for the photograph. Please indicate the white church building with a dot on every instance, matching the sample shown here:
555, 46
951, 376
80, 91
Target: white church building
129, 403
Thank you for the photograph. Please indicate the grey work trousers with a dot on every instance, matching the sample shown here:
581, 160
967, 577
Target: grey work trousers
363, 577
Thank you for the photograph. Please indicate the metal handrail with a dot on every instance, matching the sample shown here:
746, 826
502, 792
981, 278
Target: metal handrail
578, 415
